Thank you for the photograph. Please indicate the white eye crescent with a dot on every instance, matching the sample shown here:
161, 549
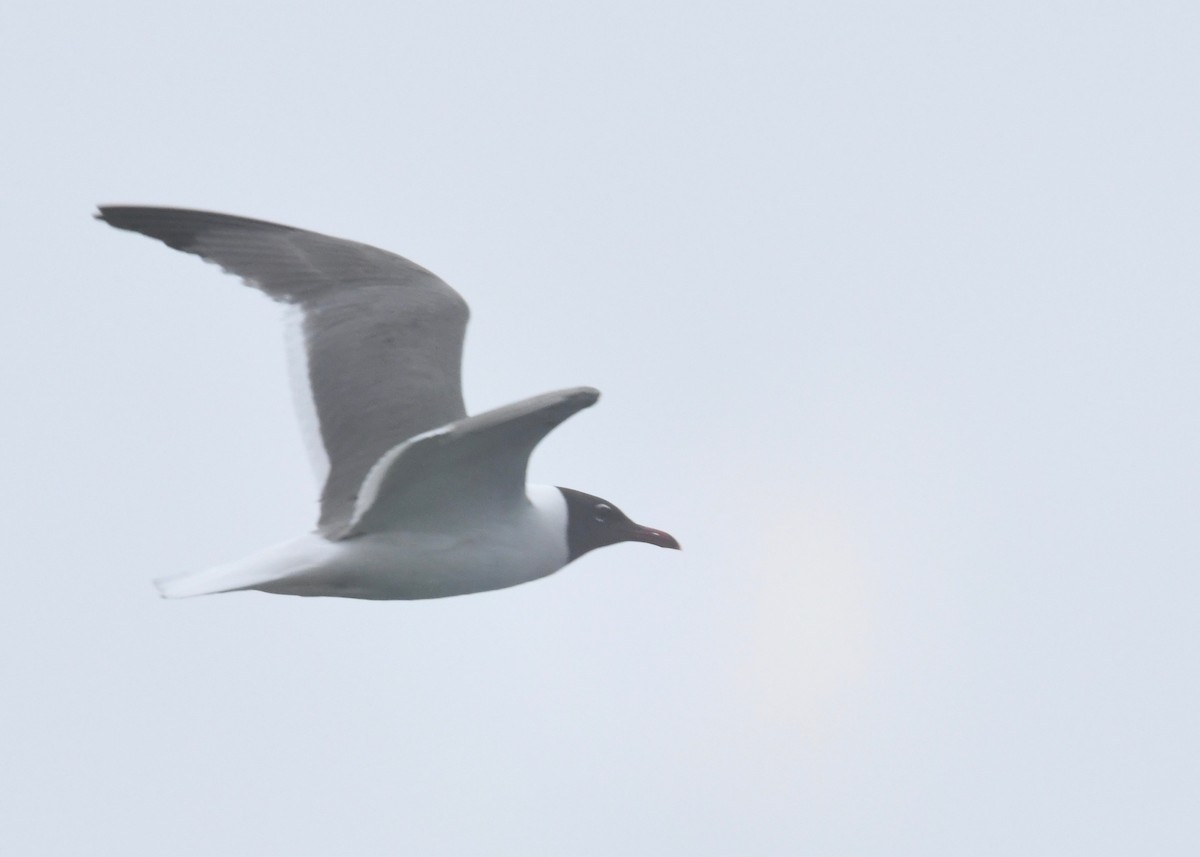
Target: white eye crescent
602, 512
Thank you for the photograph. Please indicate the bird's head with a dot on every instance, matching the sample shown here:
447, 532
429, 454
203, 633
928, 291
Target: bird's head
593, 522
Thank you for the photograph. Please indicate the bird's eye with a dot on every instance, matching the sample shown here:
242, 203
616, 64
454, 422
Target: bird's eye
602, 512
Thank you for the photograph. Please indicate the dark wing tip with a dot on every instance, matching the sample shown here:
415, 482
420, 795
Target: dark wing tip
586, 396
178, 228
571, 401
175, 228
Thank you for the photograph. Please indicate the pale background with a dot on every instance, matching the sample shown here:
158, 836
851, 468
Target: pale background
894, 307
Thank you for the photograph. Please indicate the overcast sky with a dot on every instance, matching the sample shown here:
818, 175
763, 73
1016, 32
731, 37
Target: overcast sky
894, 309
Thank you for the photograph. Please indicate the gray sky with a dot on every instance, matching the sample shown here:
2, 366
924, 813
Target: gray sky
894, 308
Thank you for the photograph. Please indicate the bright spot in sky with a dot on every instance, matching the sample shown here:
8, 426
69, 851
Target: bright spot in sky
809, 640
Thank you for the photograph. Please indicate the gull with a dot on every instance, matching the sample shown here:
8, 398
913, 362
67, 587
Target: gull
419, 500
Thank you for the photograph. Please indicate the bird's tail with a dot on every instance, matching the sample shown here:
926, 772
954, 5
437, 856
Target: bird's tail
266, 566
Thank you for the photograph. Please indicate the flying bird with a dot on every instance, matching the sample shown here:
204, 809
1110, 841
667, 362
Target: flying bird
419, 500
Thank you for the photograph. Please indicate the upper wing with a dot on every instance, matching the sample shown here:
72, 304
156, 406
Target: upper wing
382, 336
463, 468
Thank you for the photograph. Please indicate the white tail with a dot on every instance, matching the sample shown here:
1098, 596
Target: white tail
265, 566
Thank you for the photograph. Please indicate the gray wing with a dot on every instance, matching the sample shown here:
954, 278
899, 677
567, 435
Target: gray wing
382, 336
463, 468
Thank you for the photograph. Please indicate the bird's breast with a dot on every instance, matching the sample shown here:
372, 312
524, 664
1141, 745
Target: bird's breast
491, 553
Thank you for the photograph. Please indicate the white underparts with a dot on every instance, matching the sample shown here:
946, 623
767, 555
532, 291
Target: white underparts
551, 508
296, 342
489, 553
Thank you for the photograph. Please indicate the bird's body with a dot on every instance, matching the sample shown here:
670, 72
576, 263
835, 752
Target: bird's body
408, 563
419, 500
